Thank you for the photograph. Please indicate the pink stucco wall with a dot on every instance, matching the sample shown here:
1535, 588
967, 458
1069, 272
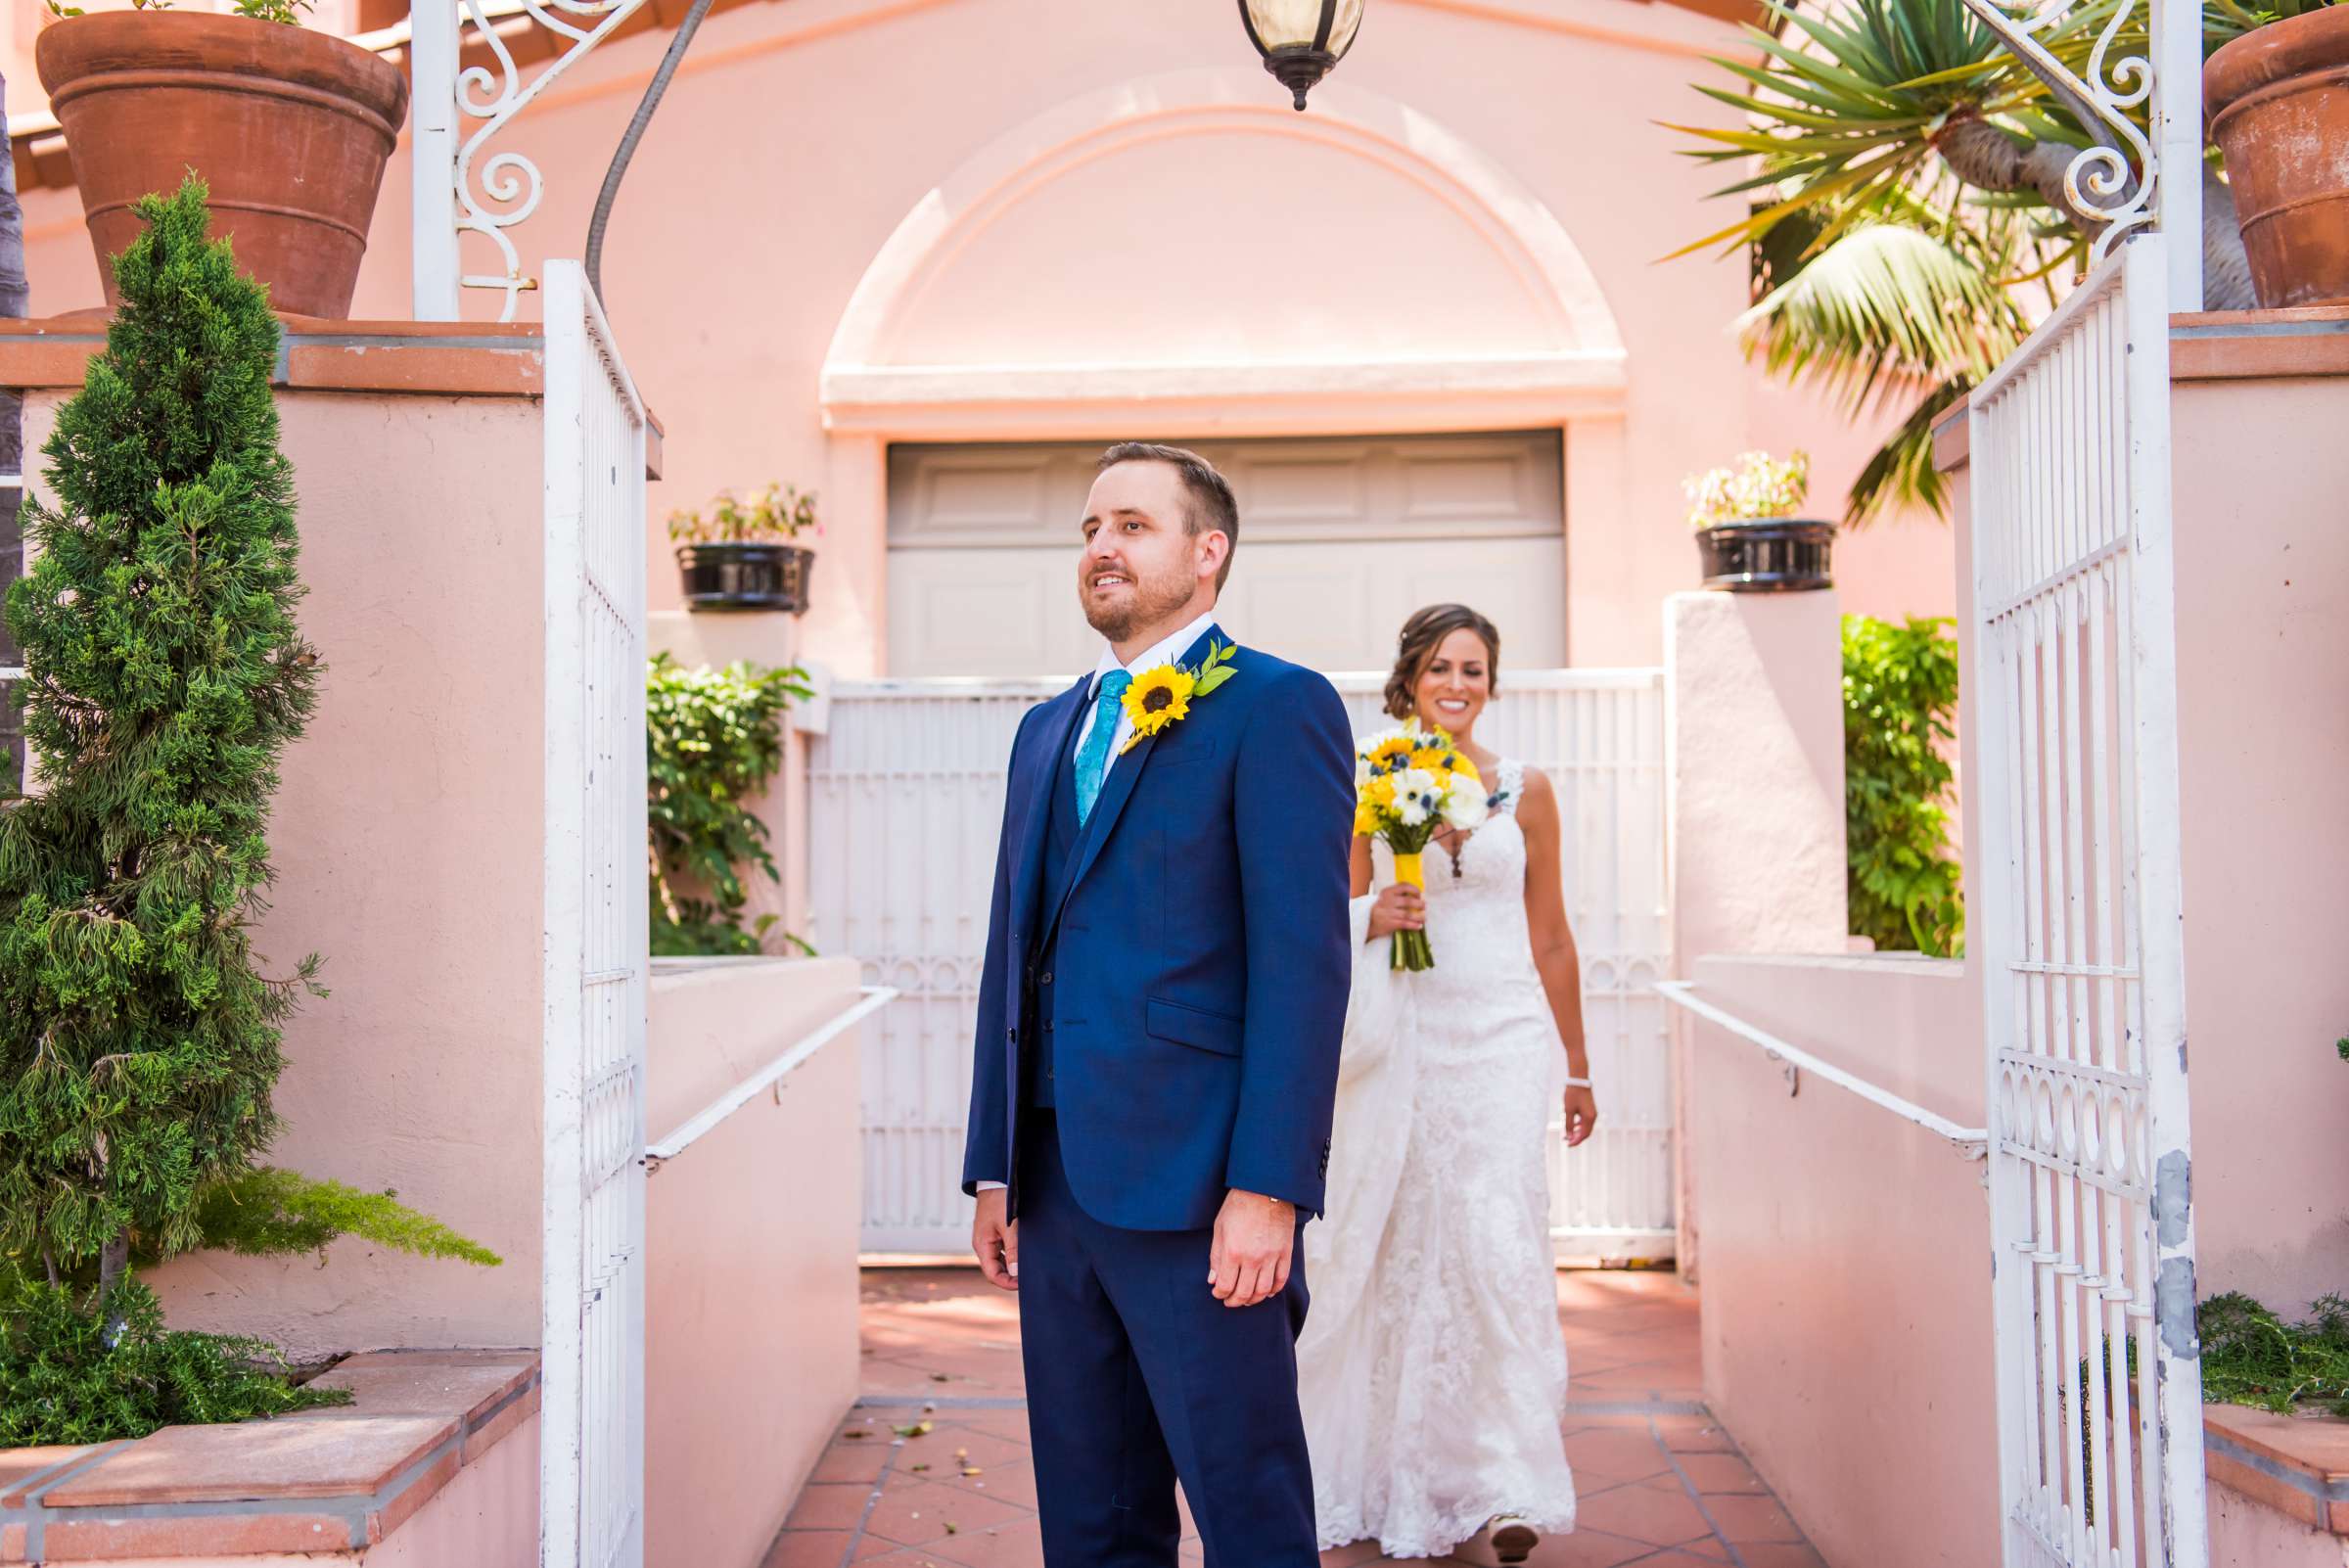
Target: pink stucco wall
1120, 190
2263, 694
751, 1289
1844, 1309
485, 1517
408, 845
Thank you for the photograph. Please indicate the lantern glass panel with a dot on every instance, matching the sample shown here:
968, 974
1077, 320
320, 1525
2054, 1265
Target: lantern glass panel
1296, 24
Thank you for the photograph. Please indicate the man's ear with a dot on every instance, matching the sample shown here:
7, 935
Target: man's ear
1212, 550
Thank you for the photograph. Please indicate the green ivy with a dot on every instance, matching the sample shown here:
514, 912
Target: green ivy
713, 740
2252, 1357
65, 1379
1899, 696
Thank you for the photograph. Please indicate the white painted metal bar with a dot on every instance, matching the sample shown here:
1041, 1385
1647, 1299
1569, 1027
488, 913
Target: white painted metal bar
1683, 994
711, 1116
433, 55
591, 1452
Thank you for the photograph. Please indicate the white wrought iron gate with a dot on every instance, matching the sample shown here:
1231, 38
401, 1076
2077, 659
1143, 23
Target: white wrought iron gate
2077, 929
591, 1454
905, 805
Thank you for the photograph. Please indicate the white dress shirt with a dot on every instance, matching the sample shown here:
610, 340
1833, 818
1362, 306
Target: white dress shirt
1164, 652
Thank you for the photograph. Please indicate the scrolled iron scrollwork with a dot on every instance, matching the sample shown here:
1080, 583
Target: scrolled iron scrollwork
501, 191
2111, 184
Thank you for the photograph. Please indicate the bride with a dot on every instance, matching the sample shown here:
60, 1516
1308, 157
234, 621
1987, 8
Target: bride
1431, 1370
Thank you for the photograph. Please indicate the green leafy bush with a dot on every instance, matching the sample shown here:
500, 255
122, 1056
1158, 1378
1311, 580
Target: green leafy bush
1899, 694
63, 1378
713, 740
2252, 1357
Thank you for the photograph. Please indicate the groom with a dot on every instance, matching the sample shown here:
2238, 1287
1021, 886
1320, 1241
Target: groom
1165, 981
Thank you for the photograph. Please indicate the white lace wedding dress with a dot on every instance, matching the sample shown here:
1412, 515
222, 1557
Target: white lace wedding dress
1431, 1371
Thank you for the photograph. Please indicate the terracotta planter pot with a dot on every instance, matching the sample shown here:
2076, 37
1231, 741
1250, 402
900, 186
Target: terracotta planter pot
2279, 105
290, 128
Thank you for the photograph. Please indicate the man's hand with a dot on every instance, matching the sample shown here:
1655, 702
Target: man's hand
1249, 1258
997, 1242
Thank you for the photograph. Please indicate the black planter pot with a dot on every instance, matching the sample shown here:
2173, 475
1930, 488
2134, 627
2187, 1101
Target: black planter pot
1782, 555
746, 577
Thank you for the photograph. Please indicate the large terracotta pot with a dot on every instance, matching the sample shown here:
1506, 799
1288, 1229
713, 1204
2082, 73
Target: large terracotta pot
290, 128
2277, 100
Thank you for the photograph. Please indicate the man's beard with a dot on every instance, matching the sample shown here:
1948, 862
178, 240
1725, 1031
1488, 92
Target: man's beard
1153, 601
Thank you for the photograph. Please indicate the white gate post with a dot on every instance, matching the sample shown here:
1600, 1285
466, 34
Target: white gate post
433, 152
591, 1298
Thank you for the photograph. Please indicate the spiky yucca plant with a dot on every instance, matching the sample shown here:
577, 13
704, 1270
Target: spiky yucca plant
1863, 119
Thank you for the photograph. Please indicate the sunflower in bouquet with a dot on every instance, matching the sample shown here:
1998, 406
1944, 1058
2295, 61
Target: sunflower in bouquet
1408, 782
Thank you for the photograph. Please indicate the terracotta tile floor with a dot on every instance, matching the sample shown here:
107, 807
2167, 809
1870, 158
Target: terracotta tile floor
931, 1469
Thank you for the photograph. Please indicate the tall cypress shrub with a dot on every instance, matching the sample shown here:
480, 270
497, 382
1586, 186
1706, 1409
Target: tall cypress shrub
139, 1031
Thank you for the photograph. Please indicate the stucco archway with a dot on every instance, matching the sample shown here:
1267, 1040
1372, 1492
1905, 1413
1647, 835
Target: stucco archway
1186, 247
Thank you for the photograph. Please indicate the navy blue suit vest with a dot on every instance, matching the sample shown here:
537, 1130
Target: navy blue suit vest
1061, 828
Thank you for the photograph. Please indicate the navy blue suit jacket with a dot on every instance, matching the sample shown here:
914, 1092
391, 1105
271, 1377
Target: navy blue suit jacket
1202, 959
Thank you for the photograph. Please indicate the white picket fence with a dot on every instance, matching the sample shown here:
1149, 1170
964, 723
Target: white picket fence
905, 805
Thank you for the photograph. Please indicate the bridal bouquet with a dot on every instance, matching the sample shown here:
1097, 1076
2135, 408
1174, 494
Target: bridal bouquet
1408, 783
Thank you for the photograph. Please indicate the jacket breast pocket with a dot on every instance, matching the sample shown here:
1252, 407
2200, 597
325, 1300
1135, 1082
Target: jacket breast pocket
1175, 753
1187, 1025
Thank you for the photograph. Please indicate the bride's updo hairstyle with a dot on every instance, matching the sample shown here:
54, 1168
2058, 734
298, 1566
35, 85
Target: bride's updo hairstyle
1415, 649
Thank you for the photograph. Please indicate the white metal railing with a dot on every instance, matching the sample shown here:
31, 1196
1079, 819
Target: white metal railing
1972, 1141
872, 998
591, 1449
905, 802
2077, 934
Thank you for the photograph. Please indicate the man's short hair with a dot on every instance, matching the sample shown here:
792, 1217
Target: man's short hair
1209, 506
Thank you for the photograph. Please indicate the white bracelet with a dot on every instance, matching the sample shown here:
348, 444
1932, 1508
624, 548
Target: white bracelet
1578, 1082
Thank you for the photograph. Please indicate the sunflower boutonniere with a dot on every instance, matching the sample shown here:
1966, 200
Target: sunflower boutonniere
1163, 696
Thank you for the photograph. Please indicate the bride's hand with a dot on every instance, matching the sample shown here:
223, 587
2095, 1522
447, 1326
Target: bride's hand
1581, 1115
1399, 907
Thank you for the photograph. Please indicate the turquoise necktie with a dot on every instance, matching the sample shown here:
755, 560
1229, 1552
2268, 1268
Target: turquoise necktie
1092, 758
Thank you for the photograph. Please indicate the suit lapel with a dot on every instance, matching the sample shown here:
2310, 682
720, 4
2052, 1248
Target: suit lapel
1116, 791
1060, 733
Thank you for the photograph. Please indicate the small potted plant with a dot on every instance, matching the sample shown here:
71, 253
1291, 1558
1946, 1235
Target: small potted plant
2277, 102
289, 127
739, 555
1748, 535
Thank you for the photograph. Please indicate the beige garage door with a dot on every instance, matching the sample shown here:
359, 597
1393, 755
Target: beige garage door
1341, 539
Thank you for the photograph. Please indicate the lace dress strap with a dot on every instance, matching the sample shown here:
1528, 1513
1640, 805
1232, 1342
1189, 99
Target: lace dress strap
1508, 786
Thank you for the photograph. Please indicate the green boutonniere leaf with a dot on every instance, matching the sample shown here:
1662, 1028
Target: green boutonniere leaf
1213, 678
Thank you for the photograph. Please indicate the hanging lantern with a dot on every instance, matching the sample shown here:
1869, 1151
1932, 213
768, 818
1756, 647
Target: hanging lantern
1301, 40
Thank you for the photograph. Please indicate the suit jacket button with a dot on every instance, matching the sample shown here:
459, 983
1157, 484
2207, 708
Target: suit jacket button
1014, 1033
